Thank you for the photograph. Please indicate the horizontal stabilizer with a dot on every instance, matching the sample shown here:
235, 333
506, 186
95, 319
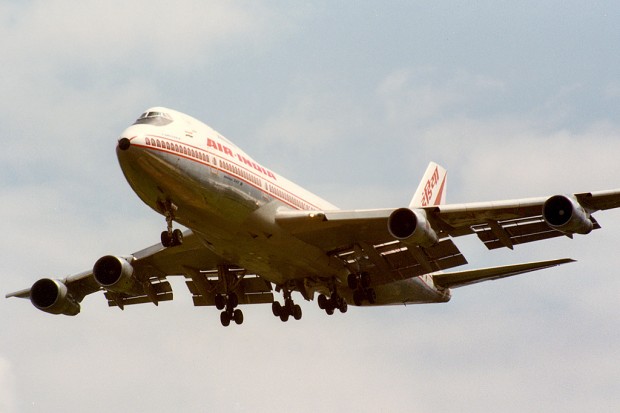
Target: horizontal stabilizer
462, 278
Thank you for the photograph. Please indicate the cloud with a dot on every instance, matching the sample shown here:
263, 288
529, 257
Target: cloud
351, 111
7, 387
63, 59
133, 35
517, 155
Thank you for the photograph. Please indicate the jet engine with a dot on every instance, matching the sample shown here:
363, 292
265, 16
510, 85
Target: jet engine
565, 214
116, 274
412, 227
52, 296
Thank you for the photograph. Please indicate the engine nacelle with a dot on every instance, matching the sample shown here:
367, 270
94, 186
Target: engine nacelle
412, 227
116, 274
565, 213
52, 296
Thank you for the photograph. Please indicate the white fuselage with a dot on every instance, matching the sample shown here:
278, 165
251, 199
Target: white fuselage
230, 201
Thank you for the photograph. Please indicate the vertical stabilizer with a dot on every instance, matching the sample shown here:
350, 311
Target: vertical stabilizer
432, 188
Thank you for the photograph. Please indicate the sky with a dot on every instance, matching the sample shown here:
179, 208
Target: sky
351, 100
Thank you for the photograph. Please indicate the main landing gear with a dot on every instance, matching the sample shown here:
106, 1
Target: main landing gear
335, 301
360, 284
288, 309
170, 237
228, 303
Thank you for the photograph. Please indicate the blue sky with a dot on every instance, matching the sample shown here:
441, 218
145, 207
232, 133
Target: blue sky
350, 100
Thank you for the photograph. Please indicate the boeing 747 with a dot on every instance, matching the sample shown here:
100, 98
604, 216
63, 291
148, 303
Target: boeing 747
252, 233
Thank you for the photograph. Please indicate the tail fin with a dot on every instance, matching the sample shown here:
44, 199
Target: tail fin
432, 188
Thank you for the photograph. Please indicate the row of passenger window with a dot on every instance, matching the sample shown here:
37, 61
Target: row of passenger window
275, 191
241, 172
182, 149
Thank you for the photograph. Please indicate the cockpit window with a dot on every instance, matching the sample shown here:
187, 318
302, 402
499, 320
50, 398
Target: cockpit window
154, 118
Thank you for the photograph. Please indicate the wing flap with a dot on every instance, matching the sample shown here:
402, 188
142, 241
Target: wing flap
160, 291
497, 234
249, 290
463, 278
393, 261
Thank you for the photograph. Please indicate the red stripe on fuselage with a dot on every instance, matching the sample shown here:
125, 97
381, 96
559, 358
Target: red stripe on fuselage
201, 162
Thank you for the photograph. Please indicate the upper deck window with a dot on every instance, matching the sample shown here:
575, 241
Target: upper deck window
154, 118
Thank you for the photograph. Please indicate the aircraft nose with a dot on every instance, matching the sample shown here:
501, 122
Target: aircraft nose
124, 144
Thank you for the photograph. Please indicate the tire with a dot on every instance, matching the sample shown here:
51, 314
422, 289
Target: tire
297, 312
225, 318
220, 302
352, 281
322, 300
177, 237
166, 240
276, 308
365, 280
238, 316
371, 295
358, 297
343, 306
284, 316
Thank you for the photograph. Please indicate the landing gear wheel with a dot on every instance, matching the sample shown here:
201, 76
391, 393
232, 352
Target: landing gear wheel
371, 295
362, 290
225, 318
358, 297
238, 316
352, 281
322, 300
343, 306
297, 312
329, 310
177, 237
284, 316
276, 308
365, 280
233, 300
166, 239
220, 302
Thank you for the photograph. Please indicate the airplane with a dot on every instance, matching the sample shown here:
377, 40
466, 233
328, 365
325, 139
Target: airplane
251, 232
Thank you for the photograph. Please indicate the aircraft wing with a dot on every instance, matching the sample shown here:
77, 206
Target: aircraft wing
508, 223
151, 266
362, 239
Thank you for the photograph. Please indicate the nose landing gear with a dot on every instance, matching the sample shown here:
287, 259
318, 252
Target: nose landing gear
170, 237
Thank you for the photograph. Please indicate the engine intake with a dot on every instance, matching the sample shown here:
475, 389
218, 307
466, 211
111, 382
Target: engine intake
412, 227
116, 274
52, 296
566, 214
